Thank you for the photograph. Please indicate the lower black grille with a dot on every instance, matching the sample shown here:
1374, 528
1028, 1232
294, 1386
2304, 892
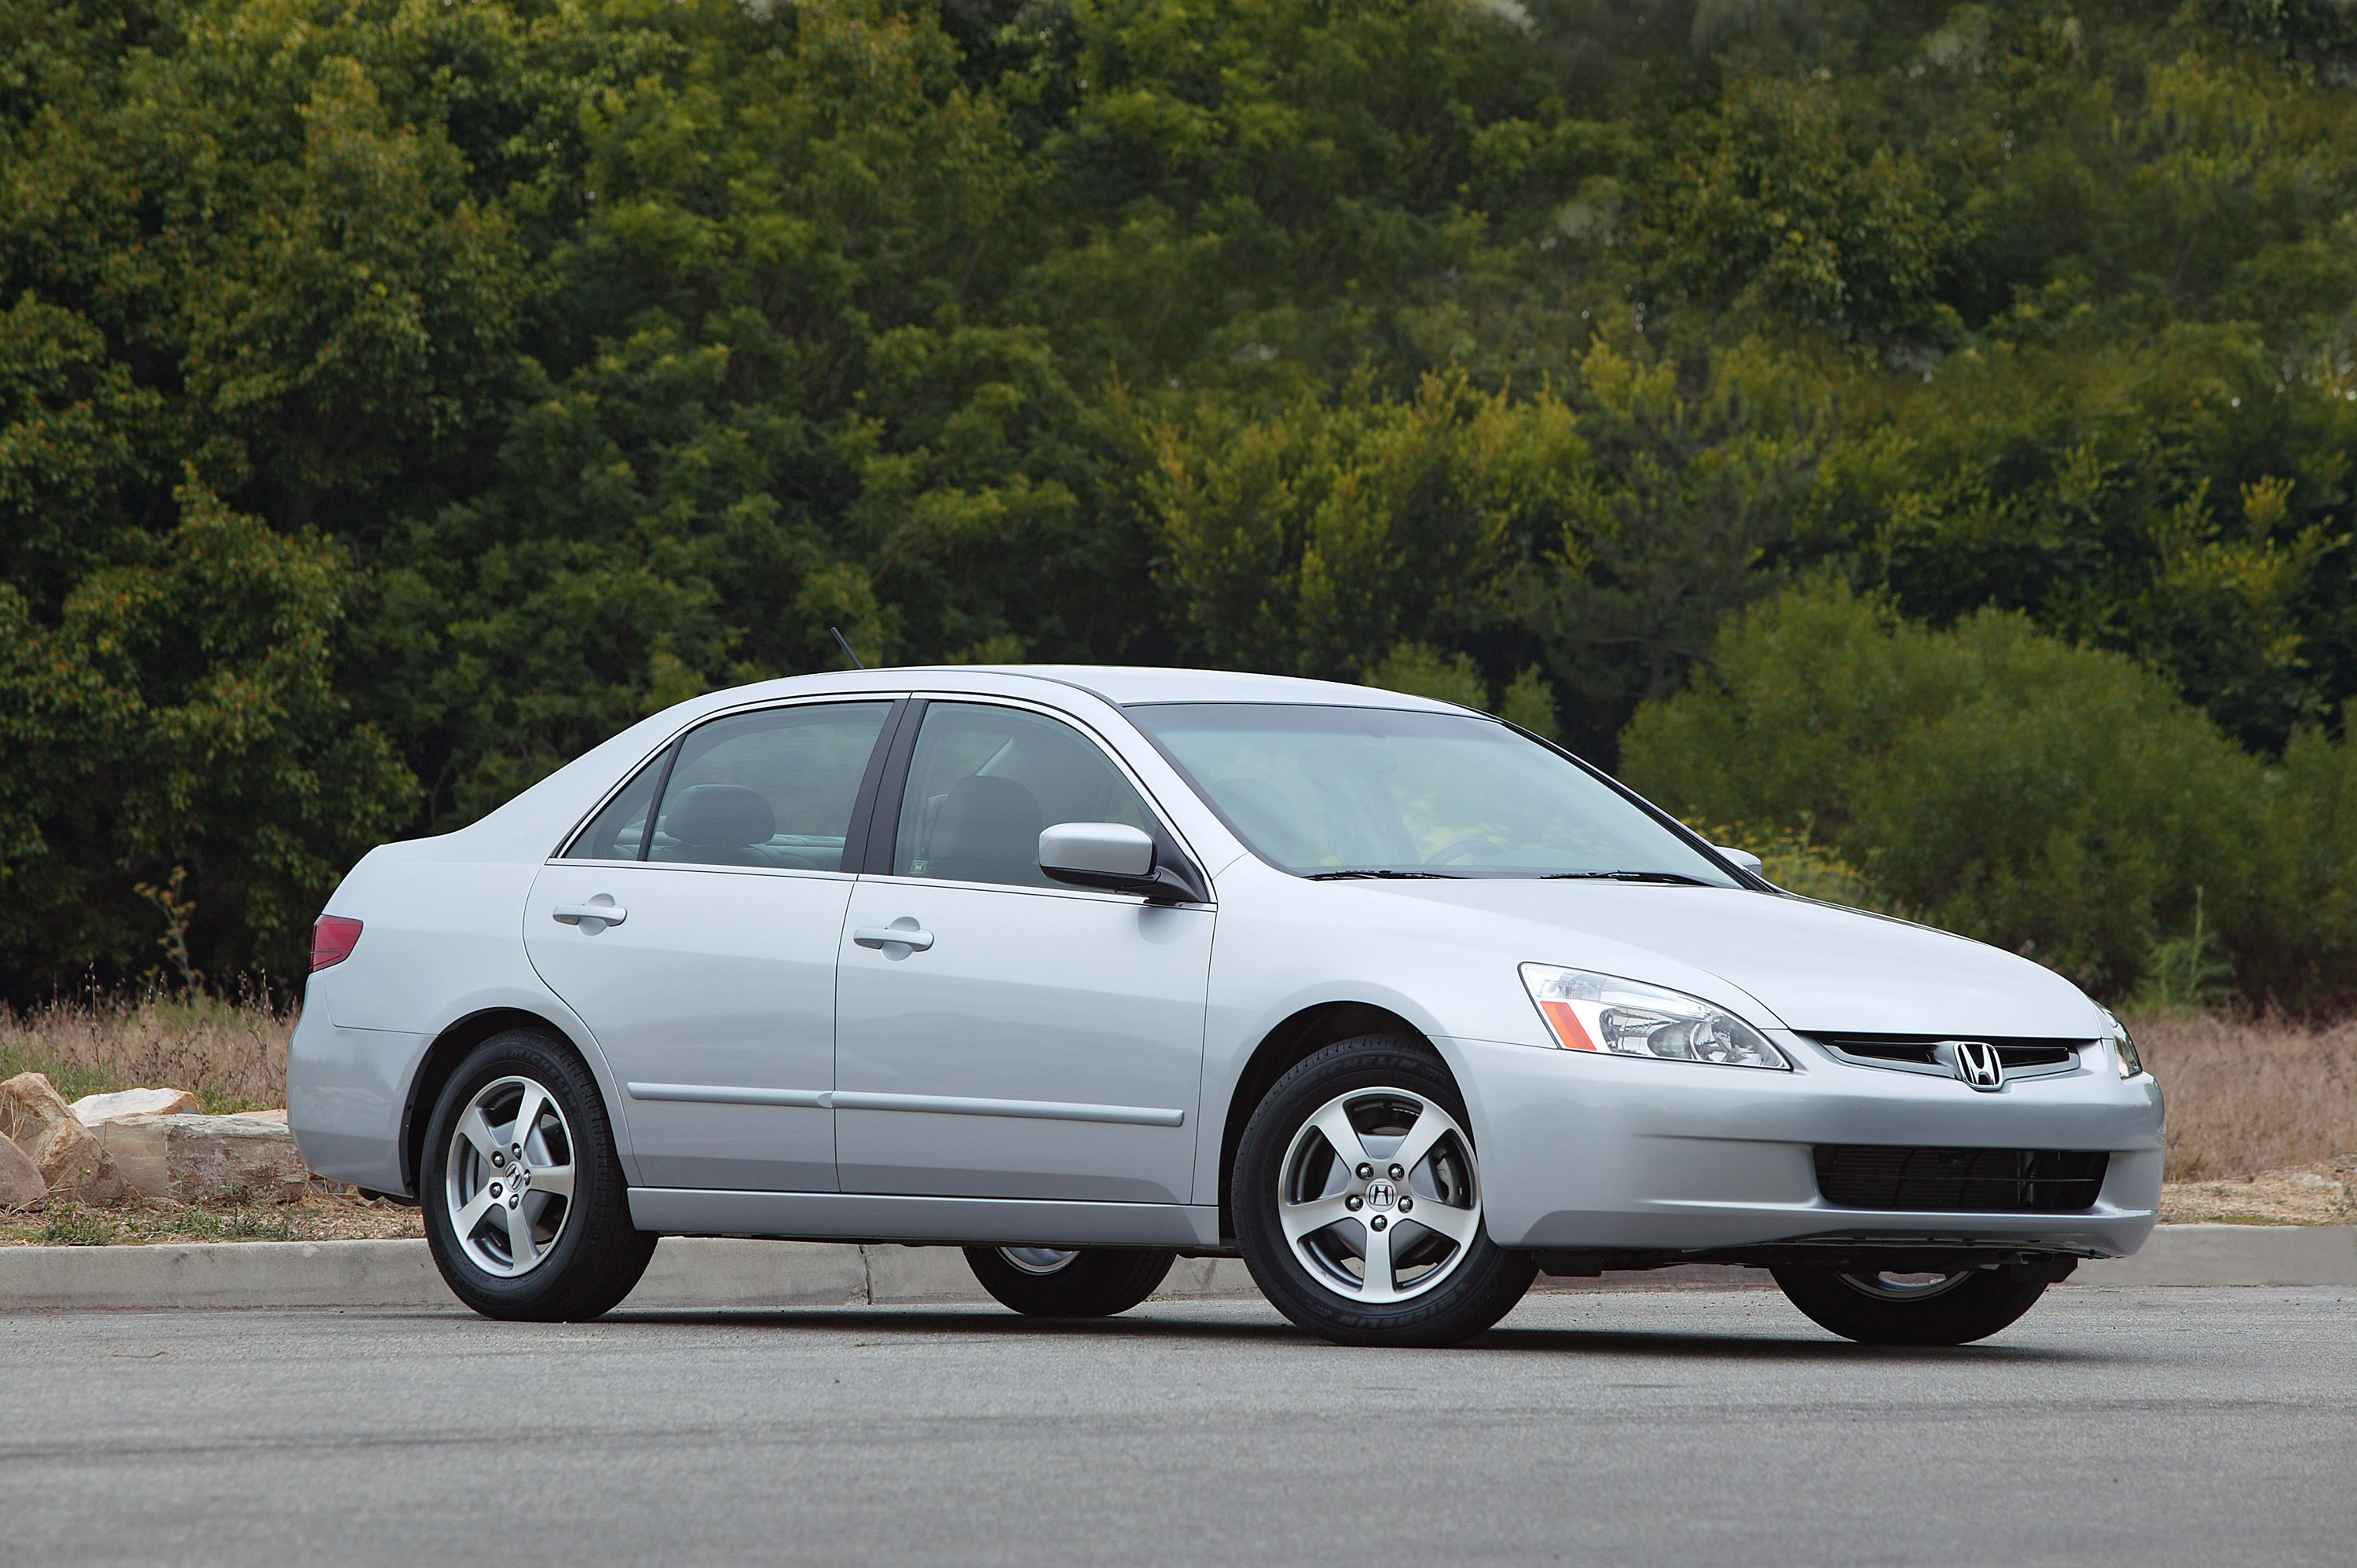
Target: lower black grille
1960, 1181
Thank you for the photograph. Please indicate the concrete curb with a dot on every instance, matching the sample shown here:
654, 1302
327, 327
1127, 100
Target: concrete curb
716, 1274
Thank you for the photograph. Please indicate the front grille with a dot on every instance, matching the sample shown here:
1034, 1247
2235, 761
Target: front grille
1960, 1181
2022, 1058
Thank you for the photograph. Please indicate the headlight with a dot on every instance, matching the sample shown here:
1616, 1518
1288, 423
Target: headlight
2122, 1048
1599, 1013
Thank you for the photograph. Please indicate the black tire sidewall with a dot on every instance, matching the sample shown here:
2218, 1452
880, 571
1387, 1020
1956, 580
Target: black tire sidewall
1484, 1285
594, 1249
1098, 1282
1993, 1299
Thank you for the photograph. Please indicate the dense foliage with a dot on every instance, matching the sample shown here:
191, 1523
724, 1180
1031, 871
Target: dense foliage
398, 395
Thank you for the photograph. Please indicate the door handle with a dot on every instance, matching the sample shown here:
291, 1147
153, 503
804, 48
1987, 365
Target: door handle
907, 936
574, 914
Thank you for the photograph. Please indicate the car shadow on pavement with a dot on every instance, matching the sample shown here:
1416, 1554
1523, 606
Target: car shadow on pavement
1801, 1345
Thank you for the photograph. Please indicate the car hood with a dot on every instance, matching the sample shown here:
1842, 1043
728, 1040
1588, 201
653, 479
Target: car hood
1814, 967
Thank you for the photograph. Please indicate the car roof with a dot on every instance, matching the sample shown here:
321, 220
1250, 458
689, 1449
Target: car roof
1129, 685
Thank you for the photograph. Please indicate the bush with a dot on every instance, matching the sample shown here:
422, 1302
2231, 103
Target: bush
2060, 802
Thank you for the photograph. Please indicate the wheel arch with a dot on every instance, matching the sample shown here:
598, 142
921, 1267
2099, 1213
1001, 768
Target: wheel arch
1292, 1042
442, 1058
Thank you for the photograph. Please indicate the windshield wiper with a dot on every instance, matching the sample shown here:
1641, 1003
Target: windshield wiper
1385, 875
1678, 878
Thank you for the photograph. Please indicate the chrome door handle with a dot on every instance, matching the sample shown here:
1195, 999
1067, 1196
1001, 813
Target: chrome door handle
908, 937
574, 914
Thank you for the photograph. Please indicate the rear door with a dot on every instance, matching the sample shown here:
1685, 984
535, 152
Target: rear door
711, 989
1047, 1042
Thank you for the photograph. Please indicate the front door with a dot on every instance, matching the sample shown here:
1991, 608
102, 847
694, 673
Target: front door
712, 994
1030, 1040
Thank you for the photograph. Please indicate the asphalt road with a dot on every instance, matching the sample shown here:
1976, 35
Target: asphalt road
2147, 1427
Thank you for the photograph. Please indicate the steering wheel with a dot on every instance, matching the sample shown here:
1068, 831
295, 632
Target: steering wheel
1463, 846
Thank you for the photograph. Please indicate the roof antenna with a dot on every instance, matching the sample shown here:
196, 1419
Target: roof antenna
846, 647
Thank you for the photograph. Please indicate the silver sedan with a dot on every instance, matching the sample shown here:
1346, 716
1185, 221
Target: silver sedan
1083, 969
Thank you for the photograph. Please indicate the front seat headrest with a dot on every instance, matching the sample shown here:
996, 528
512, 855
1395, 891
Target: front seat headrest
988, 831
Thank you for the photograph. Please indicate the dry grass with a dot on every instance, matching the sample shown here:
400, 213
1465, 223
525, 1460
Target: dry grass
2246, 1096
230, 1055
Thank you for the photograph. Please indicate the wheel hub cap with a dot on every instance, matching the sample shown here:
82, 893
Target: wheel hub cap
509, 1189
1378, 1196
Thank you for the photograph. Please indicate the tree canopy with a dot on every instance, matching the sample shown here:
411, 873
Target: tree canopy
398, 396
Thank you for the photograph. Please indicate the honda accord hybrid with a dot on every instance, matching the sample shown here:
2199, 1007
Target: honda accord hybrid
1086, 969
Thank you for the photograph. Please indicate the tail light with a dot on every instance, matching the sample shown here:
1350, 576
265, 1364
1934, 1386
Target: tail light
332, 940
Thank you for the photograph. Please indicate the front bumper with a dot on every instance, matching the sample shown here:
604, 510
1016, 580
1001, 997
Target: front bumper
1599, 1154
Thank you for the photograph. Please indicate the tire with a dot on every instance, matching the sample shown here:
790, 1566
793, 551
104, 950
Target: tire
1447, 1282
581, 1254
1044, 1281
1874, 1310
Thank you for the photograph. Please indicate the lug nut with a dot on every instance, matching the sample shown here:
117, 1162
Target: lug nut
1406, 1204
1378, 1222
1398, 1173
499, 1161
514, 1199
1352, 1202
516, 1149
495, 1189
1365, 1170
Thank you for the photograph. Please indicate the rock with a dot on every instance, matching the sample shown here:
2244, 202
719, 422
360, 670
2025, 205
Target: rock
194, 1157
20, 1179
68, 1155
92, 1110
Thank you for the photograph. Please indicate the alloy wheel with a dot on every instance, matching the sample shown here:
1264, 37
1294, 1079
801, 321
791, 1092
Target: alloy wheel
510, 1185
1378, 1196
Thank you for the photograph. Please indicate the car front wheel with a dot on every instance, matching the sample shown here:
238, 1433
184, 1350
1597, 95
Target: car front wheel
1886, 1308
1358, 1202
526, 1208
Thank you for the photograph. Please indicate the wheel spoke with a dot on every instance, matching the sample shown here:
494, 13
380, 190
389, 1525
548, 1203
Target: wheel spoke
527, 1112
522, 1251
1334, 1123
467, 1218
1432, 1124
1301, 1218
478, 1131
1379, 1284
554, 1179
1458, 1224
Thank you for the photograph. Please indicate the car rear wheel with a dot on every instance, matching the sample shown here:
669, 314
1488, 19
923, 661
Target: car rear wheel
1358, 1202
1051, 1282
526, 1208
1887, 1309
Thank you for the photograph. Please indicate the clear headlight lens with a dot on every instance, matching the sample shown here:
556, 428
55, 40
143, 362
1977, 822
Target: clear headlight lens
1600, 1013
2122, 1048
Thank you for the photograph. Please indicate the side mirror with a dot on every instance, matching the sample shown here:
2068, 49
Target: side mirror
1742, 858
1114, 857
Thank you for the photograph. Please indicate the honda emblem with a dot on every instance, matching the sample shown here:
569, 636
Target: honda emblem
1977, 1064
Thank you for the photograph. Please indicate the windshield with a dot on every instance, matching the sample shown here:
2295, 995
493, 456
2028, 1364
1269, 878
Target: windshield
1387, 792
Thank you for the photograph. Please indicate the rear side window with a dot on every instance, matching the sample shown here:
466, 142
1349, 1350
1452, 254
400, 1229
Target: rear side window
773, 790
616, 833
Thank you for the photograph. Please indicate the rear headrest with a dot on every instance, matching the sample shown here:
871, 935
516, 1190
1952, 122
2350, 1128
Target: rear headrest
713, 815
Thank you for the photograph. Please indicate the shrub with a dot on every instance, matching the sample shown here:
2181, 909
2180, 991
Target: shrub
2060, 802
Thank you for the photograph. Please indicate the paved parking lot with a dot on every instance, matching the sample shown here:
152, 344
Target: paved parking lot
2145, 1427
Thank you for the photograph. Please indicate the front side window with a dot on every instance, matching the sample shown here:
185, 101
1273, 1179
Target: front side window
773, 790
986, 781
1338, 791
